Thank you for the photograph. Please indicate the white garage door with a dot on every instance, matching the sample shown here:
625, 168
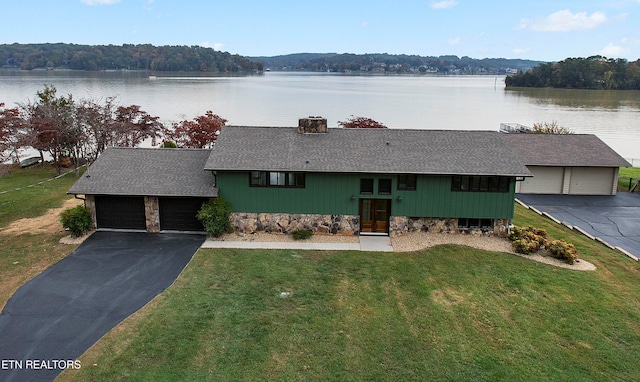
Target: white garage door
546, 180
591, 180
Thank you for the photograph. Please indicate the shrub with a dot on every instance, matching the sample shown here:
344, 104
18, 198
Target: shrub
525, 246
528, 239
520, 232
77, 220
214, 216
302, 234
562, 250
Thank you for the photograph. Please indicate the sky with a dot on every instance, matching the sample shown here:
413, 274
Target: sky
545, 30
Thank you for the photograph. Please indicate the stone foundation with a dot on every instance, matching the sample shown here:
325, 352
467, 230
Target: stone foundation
401, 225
247, 223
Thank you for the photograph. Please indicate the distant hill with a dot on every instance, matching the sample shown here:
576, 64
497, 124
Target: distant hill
201, 59
390, 63
128, 56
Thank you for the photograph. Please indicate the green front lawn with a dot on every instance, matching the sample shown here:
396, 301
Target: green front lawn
448, 313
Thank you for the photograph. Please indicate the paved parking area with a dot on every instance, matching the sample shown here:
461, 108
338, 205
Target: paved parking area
59, 314
614, 219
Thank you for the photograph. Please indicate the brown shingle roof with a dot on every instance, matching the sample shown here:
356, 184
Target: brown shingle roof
365, 151
147, 171
577, 150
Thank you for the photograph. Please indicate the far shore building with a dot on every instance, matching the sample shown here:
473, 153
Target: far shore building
328, 180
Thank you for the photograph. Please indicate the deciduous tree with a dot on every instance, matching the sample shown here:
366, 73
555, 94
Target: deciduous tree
201, 132
12, 134
361, 122
133, 126
49, 120
550, 128
97, 122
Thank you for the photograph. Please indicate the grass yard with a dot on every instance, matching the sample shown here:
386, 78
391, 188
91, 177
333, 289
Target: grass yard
632, 172
448, 313
626, 173
31, 201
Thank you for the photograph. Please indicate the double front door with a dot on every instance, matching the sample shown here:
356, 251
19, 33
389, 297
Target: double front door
374, 215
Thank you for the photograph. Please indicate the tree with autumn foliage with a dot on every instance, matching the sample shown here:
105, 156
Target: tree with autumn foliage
74, 131
201, 132
361, 123
12, 134
49, 120
133, 126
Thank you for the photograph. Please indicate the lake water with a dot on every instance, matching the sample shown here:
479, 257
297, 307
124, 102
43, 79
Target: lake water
415, 102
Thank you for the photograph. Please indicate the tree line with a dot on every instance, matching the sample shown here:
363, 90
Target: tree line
127, 56
392, 63
78, 131
595, 72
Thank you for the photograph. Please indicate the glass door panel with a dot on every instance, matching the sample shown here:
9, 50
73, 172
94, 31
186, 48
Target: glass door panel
374, 215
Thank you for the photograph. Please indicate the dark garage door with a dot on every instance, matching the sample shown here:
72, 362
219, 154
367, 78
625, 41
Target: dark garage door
179, 214
120, 212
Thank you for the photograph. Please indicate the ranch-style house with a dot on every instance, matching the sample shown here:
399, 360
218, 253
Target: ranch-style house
329, 180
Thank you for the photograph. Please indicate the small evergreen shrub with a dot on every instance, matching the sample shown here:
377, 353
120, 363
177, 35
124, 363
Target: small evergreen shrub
528, 239
77, 220
302, 234
214, 216
562, 250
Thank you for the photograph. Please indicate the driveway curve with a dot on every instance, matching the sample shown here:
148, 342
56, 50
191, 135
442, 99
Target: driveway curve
55, 317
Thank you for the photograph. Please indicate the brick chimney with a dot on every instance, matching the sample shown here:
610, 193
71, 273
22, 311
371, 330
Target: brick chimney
312, 125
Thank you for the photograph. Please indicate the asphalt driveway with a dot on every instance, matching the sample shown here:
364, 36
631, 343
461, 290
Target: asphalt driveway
54, 318
614, 219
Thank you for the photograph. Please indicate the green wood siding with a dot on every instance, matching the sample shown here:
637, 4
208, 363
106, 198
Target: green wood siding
323, 194
331, 194
433, 198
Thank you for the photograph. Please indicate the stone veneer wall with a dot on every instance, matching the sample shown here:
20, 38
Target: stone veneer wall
247, 223
152, 213
90, 203
400, 225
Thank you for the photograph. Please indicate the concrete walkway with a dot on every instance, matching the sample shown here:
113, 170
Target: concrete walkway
367, 243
